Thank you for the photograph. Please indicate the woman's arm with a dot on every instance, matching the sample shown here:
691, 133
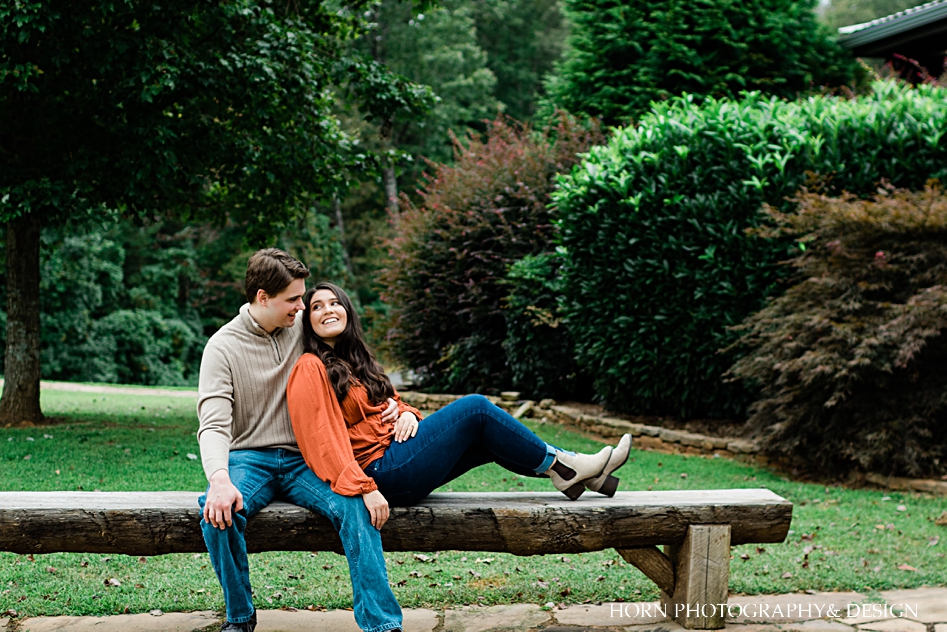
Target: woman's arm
320, 429
406, 408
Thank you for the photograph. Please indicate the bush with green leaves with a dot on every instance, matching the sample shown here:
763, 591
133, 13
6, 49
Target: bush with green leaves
538, 348
623, 55
850, 361
445, 280
658, 266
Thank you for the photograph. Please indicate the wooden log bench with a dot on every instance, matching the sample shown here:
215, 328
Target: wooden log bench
696, 528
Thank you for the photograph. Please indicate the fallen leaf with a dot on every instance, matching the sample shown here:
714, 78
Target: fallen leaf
787, 575
421, 557
941, 520
906, 567
744, 556
111, 581
50, 569
28, 457
902, 508
192, 457
485, 560
933, 541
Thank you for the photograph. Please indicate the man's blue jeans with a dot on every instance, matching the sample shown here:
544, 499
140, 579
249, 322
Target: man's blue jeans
263, 476
466, 433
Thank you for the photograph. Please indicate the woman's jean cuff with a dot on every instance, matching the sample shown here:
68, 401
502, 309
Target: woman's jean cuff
548, 460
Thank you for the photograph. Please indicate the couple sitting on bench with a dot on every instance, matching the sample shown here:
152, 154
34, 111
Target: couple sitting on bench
303, 412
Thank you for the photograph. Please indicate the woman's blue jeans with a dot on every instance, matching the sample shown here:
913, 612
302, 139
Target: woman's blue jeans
263, 476
468, 432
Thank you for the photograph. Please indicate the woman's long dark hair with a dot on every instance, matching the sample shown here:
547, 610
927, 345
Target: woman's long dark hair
350, 357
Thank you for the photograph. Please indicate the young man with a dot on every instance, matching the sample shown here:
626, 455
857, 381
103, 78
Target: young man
249, 451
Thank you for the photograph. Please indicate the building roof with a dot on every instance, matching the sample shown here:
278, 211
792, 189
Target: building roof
922, 27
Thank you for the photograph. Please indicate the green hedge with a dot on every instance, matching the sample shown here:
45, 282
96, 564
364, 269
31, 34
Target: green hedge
658, 265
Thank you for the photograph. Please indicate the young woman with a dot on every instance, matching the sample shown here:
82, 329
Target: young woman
337, 392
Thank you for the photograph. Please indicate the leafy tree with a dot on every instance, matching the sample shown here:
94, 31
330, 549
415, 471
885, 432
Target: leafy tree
624, 54
522, 40
185, 108
437, 48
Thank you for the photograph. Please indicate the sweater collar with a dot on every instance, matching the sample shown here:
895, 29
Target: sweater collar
252, 326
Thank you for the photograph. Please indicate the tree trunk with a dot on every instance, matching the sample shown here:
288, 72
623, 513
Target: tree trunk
391, 189
19, 404
337, 208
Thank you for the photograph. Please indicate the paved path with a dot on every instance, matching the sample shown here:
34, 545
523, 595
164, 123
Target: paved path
920, 610
45, 385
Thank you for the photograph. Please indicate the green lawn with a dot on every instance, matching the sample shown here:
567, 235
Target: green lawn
840, 540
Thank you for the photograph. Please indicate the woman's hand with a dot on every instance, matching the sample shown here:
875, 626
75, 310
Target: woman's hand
406, 427
391, 413
377, 508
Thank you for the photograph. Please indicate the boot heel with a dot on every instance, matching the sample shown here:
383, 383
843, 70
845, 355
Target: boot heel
610, 486
575, 491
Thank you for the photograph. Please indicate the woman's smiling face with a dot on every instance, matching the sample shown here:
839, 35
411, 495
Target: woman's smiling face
327, 316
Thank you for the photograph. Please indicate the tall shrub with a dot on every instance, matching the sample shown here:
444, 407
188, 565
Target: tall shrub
850, 361
445, 279
539, 350
624, 54
658, 265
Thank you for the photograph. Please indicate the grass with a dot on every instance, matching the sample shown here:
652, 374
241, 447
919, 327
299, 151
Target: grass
841, 539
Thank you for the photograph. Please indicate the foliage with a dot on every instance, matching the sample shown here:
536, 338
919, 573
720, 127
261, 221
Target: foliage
522, 40
850, 360
449, 259
135, 304
623, 55
439, 49
183, 105
657, 265
538, 349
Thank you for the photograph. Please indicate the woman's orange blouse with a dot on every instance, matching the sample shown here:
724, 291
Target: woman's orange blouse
338, 442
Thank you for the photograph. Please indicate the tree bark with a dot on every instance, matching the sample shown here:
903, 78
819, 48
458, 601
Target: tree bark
19, 404
391, 189
337, 208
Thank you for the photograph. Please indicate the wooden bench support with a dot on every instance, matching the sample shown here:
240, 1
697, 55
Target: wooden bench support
702, 572
654, 564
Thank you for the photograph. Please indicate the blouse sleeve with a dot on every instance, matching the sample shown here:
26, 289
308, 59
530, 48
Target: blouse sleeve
406, 408
321, 431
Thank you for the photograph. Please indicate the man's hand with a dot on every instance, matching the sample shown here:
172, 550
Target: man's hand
391, 413
377, 508
406, 427
222, 498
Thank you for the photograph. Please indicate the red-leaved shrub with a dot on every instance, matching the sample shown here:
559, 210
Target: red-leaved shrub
850, 361
445, 280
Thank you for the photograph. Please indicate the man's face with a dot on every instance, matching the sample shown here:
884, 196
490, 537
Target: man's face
280, 310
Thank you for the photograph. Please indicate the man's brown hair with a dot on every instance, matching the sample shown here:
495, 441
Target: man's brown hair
272, 270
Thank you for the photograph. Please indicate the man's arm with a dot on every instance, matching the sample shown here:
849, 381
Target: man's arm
214, 435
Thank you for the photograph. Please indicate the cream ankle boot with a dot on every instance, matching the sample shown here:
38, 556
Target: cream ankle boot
570, 472
605, 483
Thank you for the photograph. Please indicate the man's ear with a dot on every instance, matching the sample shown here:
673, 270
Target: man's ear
262, 297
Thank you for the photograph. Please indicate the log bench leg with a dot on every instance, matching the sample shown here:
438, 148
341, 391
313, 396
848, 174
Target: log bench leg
693, 576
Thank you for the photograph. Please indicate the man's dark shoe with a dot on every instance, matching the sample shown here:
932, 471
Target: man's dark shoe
246, 626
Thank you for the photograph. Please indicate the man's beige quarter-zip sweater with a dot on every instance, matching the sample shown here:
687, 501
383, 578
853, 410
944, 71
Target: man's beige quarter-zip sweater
242, 390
